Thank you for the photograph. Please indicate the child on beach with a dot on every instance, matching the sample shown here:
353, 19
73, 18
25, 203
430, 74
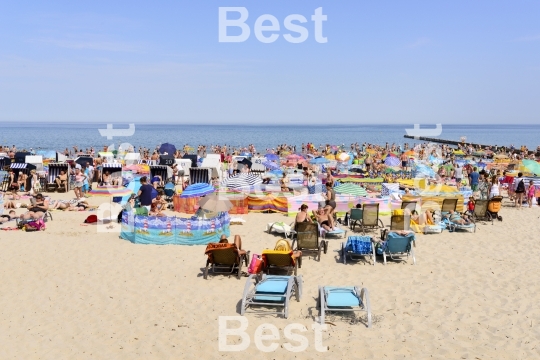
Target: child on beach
470, 205
530, 193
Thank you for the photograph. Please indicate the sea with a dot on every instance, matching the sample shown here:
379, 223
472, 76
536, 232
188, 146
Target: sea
59, 136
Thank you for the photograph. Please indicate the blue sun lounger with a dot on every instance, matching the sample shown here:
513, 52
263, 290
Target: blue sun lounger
397, 246
350, 298
271, 291
357, 247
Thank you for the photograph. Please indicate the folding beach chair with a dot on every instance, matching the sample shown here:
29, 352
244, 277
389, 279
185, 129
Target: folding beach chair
358, 247
350, 299
397, 223
280, 260
356, 216
223, 258
370, 218
307, 240
481, 212
271, 291
397, 246
449, 205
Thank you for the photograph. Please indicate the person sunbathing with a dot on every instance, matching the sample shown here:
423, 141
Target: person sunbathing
61, 181
237, 242
425, 219
324, 219
40, 204
9, 217
31, 215
107, 179
458, 219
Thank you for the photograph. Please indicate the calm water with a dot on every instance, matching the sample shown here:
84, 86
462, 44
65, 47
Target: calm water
55, 136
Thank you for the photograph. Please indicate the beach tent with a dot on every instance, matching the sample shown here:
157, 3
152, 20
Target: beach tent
193, 159
200, 175
54, 171
163, 171
36, 160
184, 165
132, 158
106, 156
60, 157
257, 164
166, 160
20, 157
81, 160
115, 170
213, 162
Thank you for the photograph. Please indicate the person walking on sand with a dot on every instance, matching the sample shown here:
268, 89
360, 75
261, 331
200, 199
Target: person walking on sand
519, 190
530, 193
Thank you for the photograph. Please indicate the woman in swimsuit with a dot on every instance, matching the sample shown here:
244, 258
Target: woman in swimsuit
303, 215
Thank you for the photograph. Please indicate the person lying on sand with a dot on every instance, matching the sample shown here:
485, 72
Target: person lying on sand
9, 217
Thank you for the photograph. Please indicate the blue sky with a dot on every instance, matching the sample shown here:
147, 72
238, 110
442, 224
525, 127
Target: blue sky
384, 62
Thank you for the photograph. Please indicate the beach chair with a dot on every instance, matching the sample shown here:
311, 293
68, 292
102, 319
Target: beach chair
281, 258
449, 205
356, 216
340, 299
357, 247
223, 258
397, 223
307, 240
411, 205
481, 212
370, 218
398, 246
270, 291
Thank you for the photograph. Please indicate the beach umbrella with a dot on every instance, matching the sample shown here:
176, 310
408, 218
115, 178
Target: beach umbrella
242, 180
114, 191
350, 189
271, 157
198, 189
330, 157
343, 157
270, 165
532, 166
392, 161
319, 160
215, 203
295, 157
170, 149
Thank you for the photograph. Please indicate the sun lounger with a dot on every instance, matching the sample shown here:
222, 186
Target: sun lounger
350, 299
307, 239
224, 258
358, 247
271, 291
481, 212
281, 228
398, 246
370, 218
279, 260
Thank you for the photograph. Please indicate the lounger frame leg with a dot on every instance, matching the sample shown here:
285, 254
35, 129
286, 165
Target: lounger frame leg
364, 296
343, 253
322, 303
247, 286
413, 257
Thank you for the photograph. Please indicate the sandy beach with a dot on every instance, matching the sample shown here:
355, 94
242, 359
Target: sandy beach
71, 292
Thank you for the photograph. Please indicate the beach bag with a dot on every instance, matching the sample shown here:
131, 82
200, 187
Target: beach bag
520, 188
38, 225
256, 264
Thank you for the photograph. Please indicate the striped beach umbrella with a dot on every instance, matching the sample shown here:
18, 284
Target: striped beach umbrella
198, 189
350, 189
392, 161
242, 181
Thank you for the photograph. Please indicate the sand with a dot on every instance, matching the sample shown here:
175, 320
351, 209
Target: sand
71, 292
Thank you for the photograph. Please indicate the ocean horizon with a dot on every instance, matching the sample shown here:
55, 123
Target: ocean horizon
59, 135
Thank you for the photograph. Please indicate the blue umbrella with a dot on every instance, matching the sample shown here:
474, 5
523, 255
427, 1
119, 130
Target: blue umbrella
170, 149
392, 161
271, 157
270, 165
198, 189
319, 160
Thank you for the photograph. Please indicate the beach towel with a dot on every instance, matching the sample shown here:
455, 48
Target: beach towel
359, 244
216, 246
